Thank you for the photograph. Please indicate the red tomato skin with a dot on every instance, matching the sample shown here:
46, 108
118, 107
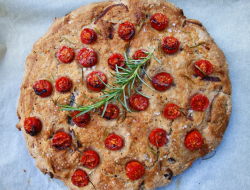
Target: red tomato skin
63, 84
88, 36
134, 170
140, 53
116, 59
61, 140
162, 81
42, 88
79, 178
87, 57
90, 160
170, 45
32, 126
158, 137
159, 21
199, 102
171, 111
111, 112
94, 83
204, 65
194, 140
65, 54
138, 102
113, 142
126, 30
82, 120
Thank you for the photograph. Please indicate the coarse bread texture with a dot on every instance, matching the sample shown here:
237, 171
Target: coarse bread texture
171, 159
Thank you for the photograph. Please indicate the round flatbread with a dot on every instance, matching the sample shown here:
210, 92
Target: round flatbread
183, 119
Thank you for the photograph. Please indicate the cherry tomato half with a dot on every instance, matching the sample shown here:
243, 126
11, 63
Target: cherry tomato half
94, 83
113, 142
158, 137
81, 120
90, 160
116, 59
61, 140
171, 111
140, 54
199, 102
88, 36
32, 125
159, 21
111, 111
134, 170
87, 57
193, 140
42, 88
79, 178
65, 54
126, 30
138, 102
205, 66
170, 45
162, 81
63, 84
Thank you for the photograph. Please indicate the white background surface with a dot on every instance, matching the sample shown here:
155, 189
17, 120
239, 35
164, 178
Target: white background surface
22, 22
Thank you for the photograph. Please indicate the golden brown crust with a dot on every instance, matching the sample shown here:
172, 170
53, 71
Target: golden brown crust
174, 157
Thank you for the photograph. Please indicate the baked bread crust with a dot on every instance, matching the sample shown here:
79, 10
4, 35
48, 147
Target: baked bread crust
174, 157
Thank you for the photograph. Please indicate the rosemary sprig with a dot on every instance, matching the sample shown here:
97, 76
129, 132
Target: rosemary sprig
209, 157
188, 78
152, 150
105, 135
197, 45
180, 111
123, 116
50, 78
185, 31
124, 79
97, 31
55, 101
141, 25
203, 72
68, 41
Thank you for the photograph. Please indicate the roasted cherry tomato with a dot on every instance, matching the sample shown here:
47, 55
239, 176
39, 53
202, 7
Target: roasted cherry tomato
111, 112
32, 125
63, 84
126, 30
171, 111
79, 178
113, 142
42, 88
162, 81
61, 140
65, 54
138, 102
140, 54
116, 59
87, 57
94, 83
159, 21
205, 66
90, 159
134, 170
193, 140
158, 137
81, 120
199, 102
88, 36
170, 45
